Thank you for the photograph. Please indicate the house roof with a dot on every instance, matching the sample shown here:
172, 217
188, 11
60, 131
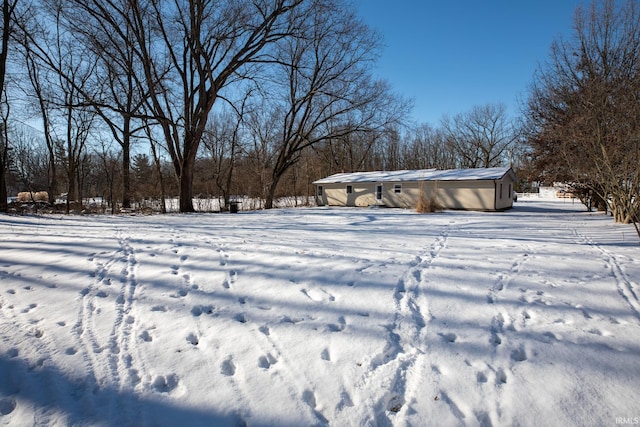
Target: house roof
418, 175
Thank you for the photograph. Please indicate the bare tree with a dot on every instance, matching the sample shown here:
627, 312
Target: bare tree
426, 148
223, 141
39, 89
482, 137
354, 151
209, 45
584, 109
121, 101
8, 9
327, 91
179, 56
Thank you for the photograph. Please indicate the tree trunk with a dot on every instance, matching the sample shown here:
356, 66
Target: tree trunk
126, 163
271, 191
186, 186
156, 160
3, 181
7, 12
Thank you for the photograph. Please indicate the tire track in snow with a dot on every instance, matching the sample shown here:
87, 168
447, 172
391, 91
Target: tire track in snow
626, 287
401, 365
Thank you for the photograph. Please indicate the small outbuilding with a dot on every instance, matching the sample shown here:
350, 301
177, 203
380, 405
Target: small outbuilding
486, 189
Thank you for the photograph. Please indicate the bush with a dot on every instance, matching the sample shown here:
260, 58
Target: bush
428, 204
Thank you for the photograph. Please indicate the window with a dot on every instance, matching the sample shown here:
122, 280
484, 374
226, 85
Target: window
397, 188
379, 192
320, 190
349, 189
510, 190
500, 191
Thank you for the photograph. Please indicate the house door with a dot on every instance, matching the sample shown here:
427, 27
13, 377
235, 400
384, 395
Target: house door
378, 193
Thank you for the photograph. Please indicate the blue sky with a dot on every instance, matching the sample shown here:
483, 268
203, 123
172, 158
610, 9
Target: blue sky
450, 55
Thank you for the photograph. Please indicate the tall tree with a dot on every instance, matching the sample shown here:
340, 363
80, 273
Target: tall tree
584, 109
8, 9
121, 100
39, 88
326, 89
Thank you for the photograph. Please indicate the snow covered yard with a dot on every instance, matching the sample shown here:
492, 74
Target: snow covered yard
321, 316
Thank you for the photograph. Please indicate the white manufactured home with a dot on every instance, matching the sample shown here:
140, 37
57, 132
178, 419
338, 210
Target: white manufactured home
487, 189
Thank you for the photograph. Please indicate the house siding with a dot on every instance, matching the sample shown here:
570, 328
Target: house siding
474, 194
363, 194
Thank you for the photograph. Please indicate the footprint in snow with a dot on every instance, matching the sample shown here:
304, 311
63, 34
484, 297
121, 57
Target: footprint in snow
200, 309
519, 354
180, 294
7, 406
549, 337
233, 276
146, 336
501, 376
345, 401
29, 308
134, 377
325, 355
193, 339
395, 403
228, 368
165, 384
449, 337
495, 338
309, 398
342, 324
267, 361
223, 257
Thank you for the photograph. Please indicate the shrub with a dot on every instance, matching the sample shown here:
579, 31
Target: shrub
428, 204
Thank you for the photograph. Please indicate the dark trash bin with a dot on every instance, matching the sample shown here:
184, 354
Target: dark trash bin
233, 207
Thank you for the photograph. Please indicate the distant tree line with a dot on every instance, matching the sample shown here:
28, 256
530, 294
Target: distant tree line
235, 159
142, 100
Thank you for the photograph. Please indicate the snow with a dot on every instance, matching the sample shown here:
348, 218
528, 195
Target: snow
320, 316
473, 174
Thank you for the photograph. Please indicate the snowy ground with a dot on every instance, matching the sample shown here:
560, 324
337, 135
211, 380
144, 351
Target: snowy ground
321, 316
